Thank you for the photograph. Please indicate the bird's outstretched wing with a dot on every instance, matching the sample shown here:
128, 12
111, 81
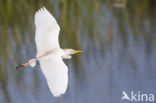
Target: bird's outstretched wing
52, 66
56, 74
47, 31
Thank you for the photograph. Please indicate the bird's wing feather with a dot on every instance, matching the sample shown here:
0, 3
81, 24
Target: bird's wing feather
47, 31
56, 73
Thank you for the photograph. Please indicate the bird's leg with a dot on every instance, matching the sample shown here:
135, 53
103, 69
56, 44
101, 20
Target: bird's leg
21, 66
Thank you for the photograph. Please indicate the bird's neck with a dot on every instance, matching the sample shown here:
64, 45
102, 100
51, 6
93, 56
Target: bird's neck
66, 54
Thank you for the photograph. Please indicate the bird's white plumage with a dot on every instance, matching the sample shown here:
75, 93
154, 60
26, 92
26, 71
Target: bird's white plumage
52, 66
56, 73
47, 31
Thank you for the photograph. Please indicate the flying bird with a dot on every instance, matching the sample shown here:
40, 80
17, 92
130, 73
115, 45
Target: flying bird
49, 54
125, 96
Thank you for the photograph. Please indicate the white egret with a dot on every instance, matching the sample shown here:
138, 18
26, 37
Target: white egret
49, 53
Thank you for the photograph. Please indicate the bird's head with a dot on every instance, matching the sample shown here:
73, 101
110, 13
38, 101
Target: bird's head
69, 52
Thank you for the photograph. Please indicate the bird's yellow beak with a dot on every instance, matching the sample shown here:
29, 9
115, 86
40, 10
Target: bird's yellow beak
77, 51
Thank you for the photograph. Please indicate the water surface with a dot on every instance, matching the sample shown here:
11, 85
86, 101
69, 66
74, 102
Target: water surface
118, 40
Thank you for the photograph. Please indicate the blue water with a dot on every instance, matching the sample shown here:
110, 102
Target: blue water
119, 55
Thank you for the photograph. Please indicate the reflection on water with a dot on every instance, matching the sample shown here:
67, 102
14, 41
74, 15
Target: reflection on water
120, 3
119, 47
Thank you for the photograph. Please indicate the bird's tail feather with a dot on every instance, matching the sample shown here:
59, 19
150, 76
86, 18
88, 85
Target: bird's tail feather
32, 62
